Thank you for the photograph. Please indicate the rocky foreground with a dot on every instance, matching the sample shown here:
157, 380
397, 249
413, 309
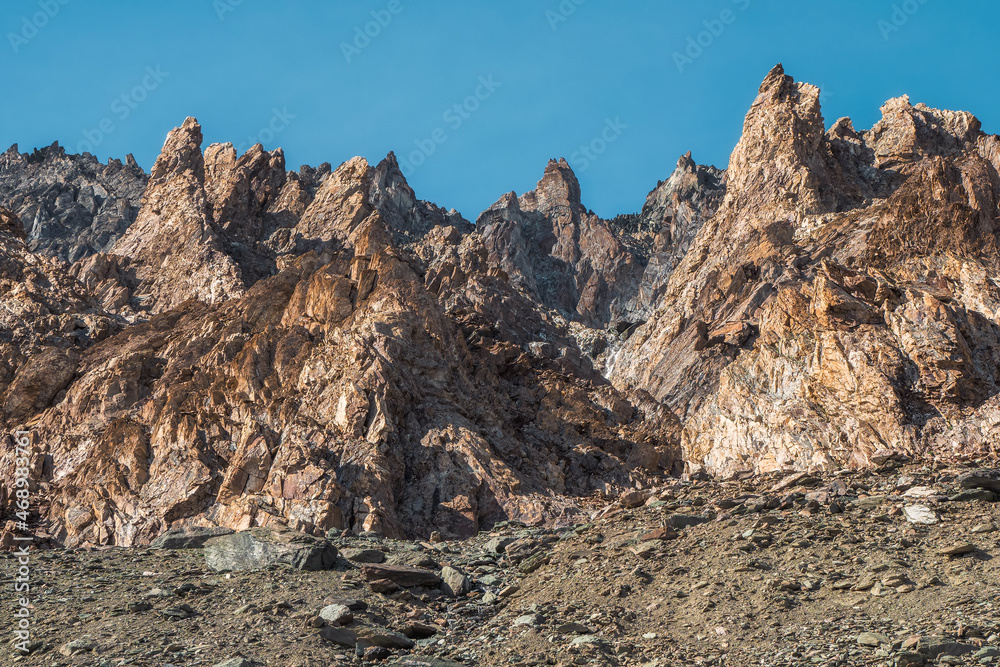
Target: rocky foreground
896, 566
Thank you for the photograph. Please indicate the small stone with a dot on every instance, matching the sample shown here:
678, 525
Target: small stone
972, 495
363, 555
193, 537
872, 639
981, 479
920, 514
384, 638
574, 629
586, 639
633, 499
909, 659
935, 646
238, 661
158, 593
77, 646
416, 630
454, 582
402, 575
957, 550
341, 636
383, 586
179, 613
436, 538
259, 548
682, 521
336, 614
527, 619
663, 533
377, 653
509, 590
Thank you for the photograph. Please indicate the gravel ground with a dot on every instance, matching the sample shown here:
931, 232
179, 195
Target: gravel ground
889, 567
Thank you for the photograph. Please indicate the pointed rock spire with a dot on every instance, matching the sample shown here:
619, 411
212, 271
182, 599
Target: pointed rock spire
557, 188
779, 165
174, 244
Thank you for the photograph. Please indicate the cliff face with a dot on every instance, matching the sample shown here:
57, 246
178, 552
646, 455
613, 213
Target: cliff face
72, 206
843, 299
323, 349
318, 349
597, 272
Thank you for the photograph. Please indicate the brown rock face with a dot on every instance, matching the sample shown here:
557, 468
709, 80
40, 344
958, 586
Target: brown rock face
322, 350
840, 301
379, 375
175, 245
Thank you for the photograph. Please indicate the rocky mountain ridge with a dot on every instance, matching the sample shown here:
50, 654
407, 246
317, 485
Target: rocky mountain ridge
247, 346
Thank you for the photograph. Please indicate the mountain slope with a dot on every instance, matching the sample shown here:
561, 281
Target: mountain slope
844, 298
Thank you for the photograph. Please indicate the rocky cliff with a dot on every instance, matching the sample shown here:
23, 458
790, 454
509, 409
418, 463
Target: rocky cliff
322, 349
843, 300
72, 205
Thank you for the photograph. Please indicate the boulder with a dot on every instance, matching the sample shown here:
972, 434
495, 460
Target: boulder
259, 548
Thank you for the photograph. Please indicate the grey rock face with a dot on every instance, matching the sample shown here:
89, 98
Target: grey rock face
598, 272
665, 229
188, 537
259, 548
558, 252
72, 206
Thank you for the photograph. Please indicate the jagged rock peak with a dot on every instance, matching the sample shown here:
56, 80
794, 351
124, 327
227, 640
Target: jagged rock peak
181, 152
72, 205
558, 187
907, 132
779, 165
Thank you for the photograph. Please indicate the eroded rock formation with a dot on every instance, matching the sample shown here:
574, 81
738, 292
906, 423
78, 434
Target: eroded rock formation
844, 298
72, 205
321, 349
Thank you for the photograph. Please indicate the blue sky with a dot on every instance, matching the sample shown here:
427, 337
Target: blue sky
532, 79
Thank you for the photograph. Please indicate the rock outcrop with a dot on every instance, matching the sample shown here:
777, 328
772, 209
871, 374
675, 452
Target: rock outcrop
322, 350
841, 301
383, 376
665, 229
72, 205
560, 253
